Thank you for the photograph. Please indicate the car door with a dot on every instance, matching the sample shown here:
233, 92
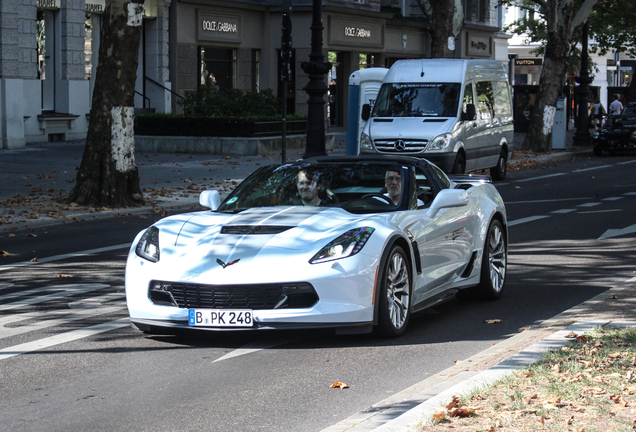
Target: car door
444, 242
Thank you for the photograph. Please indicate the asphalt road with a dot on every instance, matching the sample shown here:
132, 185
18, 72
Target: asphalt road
70, 361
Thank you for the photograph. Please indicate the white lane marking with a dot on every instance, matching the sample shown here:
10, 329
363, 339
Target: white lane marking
590, 204
547, 200
540, 177
5, 285
591, 168
524, 220
618, 232
613, 198
625, 163
254, 346
563, 211
600, 211
70, 315
48, 342
64, 256
68, 290
629, 193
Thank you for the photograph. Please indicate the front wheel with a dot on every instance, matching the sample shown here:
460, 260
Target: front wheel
499, 172
460, 164
395, 295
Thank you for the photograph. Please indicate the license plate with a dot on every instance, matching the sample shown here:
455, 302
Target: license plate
221, 318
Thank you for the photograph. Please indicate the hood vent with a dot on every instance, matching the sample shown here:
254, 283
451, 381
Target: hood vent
254, 229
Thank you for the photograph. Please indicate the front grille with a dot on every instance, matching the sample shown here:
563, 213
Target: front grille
252, 296
410, 146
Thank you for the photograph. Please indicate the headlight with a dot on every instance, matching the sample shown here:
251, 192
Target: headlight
148, 246
634, 135
348, 244
440, 142
595, 135
365, 142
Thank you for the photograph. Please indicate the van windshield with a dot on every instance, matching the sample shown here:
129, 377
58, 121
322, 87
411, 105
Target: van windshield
417, 100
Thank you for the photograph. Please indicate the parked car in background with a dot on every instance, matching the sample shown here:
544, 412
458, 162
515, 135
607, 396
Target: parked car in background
455, 113
353, 243
618, 133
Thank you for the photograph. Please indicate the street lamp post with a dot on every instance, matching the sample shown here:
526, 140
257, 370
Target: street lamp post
316, 68
582, 135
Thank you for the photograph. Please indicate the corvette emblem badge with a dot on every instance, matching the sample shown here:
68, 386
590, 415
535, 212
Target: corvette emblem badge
222, 264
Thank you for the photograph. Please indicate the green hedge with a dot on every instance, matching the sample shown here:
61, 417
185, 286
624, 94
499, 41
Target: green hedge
175, 125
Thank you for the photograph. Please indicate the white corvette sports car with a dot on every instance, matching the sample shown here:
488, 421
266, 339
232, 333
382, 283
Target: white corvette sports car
354, 243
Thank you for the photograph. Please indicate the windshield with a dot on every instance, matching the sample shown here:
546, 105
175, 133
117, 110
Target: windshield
417, 100
355, 187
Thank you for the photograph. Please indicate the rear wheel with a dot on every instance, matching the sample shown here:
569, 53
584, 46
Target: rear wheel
395, 295
499, 171
460, 164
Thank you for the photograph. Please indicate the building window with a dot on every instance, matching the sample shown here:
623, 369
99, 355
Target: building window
367, 61
46, 57
477, 10
256, 70
218, 67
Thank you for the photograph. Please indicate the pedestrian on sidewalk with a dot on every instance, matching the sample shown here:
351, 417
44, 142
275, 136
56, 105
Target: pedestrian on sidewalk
598, 112
615, 107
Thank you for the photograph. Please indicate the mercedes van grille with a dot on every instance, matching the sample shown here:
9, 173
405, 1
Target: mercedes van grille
400, 146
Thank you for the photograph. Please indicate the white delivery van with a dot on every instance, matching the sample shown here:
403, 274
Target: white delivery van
456, 113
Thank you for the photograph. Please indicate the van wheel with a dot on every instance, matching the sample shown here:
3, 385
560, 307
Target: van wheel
460, 164
499, 171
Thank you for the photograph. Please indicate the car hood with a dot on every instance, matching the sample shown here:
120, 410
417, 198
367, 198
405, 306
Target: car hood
409, 127
208, 236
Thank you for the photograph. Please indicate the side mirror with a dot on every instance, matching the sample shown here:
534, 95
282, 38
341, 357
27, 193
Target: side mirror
366, 112
210, 198
447, 198
471, 112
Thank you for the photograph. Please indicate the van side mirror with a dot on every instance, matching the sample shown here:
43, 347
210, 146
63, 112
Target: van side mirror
471, 112
366, 112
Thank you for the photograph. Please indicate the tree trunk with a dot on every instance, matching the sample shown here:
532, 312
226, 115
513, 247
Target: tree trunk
631, 93
561, 24
108, 175
440, 14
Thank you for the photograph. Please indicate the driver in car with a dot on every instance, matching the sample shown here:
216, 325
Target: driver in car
308, 187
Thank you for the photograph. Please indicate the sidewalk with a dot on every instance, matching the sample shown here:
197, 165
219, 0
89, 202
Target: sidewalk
35, 179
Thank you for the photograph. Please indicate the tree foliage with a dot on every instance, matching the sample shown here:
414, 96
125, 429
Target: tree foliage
613, 27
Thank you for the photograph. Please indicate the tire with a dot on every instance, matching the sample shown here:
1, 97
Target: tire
597, 151
460, 164
493, 263
499, 171
395, 295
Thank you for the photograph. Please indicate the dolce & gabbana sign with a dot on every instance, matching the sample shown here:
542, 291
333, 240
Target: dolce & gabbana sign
218, 27
348, 32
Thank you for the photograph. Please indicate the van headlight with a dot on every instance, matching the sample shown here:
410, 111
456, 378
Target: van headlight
365, 142
440, 142
634, 135
595, 135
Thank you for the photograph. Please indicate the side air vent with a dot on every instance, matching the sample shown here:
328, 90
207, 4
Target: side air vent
254, 229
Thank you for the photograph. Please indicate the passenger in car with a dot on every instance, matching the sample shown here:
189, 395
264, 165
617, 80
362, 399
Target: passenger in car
393, 185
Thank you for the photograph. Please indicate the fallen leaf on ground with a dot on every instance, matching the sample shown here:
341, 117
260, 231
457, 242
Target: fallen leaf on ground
492, 321
339, 384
